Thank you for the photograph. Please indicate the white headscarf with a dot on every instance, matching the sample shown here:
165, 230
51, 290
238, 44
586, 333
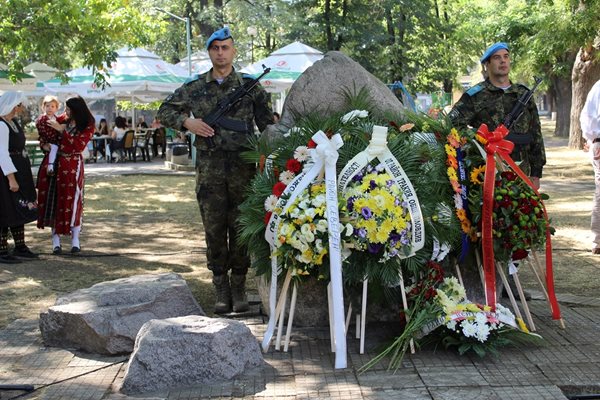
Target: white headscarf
10, 100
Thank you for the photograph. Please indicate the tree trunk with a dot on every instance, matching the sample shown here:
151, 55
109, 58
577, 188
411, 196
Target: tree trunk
328, 24
586, 71
561, 89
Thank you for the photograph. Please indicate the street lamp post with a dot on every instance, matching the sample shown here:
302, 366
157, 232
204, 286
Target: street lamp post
252, 31
188, 35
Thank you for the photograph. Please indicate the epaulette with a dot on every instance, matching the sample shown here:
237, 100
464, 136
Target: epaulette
475, 89
192, 79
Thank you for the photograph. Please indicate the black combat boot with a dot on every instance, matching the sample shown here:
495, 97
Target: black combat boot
223, 303
238, 293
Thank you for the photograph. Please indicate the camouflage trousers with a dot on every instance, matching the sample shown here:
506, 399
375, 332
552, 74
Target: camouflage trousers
221, 181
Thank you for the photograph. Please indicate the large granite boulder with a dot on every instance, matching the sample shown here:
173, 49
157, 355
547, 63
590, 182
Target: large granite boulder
189, 351
106, 317
321, 89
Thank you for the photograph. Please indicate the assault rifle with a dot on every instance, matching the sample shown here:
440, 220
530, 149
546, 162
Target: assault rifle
515, 114
215, 117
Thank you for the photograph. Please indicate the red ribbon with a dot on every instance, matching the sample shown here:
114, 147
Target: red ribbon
496, 144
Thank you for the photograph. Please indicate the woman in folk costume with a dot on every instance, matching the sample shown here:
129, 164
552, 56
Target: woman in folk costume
63, 206
17, 191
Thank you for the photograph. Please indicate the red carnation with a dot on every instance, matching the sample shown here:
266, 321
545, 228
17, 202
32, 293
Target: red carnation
279, 188
519, 254
509, 175
268, 217
311, 144
293, 165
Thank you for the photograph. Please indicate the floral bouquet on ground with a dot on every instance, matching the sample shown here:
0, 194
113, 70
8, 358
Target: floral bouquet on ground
449, 318
474, 327
379, 217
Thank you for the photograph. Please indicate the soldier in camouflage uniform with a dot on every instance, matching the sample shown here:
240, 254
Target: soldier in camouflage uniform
490, 101
221, 176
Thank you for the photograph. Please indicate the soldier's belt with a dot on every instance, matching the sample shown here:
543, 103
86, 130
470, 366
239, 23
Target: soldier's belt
233, 125
520, 138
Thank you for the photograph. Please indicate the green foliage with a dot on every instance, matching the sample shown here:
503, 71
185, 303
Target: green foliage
69, 33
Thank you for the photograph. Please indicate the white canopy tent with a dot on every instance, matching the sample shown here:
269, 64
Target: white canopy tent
200, 62
137, 74
287, 64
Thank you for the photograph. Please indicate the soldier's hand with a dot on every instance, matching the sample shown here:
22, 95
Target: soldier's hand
198, 127
595, 150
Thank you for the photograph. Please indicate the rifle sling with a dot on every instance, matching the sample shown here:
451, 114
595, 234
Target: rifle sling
233, 125
520, 138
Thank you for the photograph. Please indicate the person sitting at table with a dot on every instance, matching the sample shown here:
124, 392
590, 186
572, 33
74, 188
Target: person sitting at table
100, 145
118, 133
142, 123
158, 138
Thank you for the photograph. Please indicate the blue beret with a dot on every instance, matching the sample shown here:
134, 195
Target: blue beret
492, 49
221, 34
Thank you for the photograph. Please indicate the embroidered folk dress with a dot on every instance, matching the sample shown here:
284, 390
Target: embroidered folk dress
65, 206
13, 160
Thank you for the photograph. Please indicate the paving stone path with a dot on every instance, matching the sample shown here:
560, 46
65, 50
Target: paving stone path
570, 361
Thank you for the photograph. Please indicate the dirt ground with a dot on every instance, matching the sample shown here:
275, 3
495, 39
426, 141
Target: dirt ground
150, 224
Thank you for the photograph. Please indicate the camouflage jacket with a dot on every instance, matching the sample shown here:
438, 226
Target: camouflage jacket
485, 103
201, 95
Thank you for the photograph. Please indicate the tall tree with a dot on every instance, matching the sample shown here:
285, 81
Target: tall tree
64, 33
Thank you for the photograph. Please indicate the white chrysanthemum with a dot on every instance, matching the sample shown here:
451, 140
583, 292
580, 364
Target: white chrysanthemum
301, 153
380, 168
270, 202
322, 225
319, 200
483, 331
305, 229
287, 177
310, 237
468, 328
480, 318
295, 213
310, 213
354, 114
304, 204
